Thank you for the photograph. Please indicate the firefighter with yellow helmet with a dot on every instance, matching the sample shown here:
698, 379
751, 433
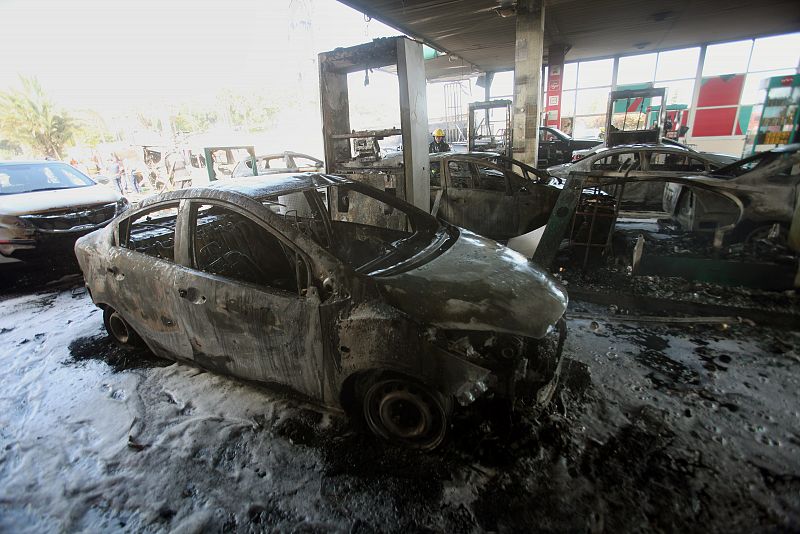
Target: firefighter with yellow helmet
438, 144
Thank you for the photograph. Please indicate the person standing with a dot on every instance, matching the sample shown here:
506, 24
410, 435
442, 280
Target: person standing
438, 144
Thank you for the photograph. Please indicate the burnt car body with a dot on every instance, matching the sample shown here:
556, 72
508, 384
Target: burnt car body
487, 193
46, 205
556, 147
665, 141
643, 161
501, 197
766, 185
254, 278
278, 163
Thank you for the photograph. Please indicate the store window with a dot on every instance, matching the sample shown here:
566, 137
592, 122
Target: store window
568, 103
570, 77
595, 73
679, 91
590, 101
772, 53
752, 84
636, 69
587, 126
727, 58
677, 64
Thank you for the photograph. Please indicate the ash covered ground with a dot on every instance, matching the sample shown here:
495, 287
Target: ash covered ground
654, 427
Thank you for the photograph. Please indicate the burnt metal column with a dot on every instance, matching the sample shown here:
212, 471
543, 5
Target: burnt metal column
335, 109
334, 66
527, 79
414, 122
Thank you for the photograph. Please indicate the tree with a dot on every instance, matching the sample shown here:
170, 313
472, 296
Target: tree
92, 129
252, 112
28, 117
191, 119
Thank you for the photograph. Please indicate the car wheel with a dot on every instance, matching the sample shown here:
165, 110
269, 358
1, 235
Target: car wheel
407, 412
119, 329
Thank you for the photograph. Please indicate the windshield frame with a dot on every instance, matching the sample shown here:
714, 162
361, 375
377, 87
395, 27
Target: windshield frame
426, 232
428, 235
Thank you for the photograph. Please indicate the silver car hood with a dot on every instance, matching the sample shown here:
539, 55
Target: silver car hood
40, 201
479, 284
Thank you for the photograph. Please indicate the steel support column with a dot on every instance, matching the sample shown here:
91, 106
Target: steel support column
698, 82
527, 79
414, 122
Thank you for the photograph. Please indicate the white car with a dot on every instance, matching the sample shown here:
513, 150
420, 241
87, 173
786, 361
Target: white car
279, 163
46, 205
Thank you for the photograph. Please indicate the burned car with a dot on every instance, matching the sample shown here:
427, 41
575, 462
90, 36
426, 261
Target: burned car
766, 184
502, 198
482, 191
282, 162
46, 205
643, 161
381, 310
557, 147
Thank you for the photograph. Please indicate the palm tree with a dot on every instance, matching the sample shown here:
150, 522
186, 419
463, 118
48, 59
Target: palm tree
29, 118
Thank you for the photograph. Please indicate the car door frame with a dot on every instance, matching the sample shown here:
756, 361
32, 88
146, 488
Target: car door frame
151, 308
215, 335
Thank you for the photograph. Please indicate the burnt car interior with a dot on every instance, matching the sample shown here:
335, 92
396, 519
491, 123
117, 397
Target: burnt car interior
367, 233
153, 232
232, 245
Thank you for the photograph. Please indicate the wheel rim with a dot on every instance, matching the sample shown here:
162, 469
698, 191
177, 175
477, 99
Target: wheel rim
405, 412
119, 328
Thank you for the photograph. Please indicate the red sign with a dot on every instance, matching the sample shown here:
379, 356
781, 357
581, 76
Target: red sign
552, 105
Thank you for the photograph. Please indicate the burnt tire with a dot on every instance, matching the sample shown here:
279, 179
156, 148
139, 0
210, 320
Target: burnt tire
120, 331
406, 412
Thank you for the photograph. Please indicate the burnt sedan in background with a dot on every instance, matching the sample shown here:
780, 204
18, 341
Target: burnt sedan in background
644, 161
380, 309
46, 205
490, 194
501, 197
556, 147
766, 184
281, 162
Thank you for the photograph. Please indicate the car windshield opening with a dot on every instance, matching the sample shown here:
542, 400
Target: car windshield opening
365, 229
28, 178
752, 163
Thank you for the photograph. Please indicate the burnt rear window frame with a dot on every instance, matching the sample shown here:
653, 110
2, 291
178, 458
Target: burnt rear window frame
123, 230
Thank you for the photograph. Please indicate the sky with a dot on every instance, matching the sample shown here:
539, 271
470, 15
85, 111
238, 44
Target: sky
108, 54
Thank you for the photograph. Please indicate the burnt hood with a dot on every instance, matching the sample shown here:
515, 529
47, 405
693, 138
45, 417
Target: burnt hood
479, 284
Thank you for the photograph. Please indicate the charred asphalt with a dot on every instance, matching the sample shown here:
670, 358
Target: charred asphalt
655, 427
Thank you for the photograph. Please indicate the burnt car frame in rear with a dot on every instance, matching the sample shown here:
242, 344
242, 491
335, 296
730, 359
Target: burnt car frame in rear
395, 323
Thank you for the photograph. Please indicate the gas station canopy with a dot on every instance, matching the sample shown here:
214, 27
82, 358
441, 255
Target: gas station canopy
481, 33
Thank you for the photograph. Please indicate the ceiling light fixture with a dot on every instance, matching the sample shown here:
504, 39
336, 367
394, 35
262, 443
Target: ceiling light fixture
507, 8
